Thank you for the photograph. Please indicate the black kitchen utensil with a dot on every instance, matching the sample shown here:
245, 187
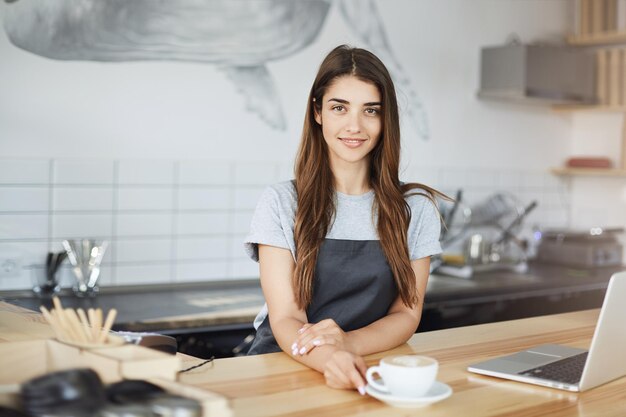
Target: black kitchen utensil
73, 392
132, 391
175, 405
10, 412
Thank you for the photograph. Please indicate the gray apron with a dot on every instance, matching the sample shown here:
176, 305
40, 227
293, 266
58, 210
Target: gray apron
353, 285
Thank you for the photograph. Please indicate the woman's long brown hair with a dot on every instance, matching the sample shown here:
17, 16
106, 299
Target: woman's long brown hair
315, 185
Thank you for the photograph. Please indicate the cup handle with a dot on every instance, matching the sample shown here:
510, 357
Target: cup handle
370, 380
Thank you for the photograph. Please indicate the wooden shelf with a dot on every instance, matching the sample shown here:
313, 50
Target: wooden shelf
602, 38
598, 108
591, 172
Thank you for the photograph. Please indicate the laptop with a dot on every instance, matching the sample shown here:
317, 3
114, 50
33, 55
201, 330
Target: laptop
570, 368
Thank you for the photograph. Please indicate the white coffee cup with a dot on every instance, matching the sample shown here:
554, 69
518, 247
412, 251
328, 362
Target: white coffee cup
404, 375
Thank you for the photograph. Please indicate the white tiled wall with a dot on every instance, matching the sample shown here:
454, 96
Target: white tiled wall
184, 221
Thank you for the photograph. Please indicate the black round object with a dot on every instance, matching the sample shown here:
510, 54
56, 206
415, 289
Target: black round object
10, 412
169, 405
132, 391
70, 392
126, 410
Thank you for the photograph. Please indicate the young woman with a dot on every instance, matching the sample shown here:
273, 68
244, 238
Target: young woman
344, 249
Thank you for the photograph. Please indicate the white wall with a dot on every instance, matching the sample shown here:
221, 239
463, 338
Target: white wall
56, 112
64, 109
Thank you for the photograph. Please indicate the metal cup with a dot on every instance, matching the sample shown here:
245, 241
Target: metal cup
85, 255
476, 250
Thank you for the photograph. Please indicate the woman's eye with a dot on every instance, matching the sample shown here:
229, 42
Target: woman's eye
338, 108
372, 111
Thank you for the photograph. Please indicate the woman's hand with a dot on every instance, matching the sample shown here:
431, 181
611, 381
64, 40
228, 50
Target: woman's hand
326, 332
345, 370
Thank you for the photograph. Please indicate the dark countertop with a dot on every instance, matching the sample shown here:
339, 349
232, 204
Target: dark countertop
178, 308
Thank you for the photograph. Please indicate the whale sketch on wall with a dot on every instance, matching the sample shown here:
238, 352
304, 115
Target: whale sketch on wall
238, 36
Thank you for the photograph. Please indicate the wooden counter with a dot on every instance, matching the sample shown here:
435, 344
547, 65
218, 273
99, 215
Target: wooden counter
276, 385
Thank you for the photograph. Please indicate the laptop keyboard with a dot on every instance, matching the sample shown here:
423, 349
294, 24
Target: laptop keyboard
568, 370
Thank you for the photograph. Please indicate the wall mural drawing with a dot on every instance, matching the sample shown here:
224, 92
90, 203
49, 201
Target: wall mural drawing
238, 36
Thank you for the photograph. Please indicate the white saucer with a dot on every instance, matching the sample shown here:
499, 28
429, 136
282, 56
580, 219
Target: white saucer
439, 391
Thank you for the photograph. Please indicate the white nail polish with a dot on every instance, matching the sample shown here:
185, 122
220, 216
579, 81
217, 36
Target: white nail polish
361, 390
294, 346
316, 342
302, 350
294, 352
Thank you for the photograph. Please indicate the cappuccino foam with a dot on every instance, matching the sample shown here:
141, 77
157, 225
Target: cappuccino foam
411, 361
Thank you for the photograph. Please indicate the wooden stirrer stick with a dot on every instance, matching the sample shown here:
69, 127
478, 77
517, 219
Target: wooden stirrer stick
107, 325
85, 324
51, 321
75, 325
92, 319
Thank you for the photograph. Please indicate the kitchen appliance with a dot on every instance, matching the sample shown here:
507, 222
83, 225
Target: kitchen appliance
540, 74
596, 247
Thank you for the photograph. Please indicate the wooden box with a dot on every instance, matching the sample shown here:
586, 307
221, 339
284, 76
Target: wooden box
22, 361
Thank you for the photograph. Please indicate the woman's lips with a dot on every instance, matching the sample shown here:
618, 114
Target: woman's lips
352, 142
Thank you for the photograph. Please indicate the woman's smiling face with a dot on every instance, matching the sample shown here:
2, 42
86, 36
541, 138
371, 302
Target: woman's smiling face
351, 119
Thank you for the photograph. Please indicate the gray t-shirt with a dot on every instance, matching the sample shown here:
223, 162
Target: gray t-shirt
274, 217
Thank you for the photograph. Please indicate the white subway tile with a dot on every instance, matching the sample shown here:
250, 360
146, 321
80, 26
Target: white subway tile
509, 180
526, 195
247, 197
481, 178
29, 253
143, 274
23, 198
202, 248
24, 171
424, 175
14, 261
532, 179
56, 245
553, 182
23, 226
18, 282
555, 218
285, 171
82, 198
145, 172
143, 224
202, 271
454, 178
255, 173
82, 171
245, 268
241, 222
143, 250
236, 248
204, 198
203, 223
555, 199
476, 197
205, 172
81, 225
131, 198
